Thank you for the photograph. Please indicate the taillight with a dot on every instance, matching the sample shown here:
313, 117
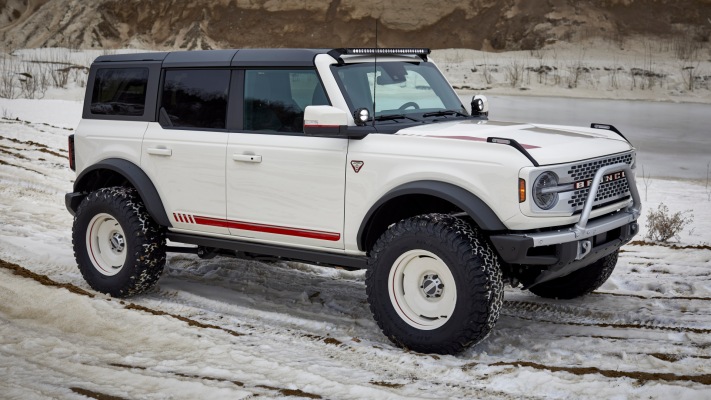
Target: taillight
70, 147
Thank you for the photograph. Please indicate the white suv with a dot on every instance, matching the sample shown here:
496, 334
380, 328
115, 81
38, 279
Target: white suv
358, 158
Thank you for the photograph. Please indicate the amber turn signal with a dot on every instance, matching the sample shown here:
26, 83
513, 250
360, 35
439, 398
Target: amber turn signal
521, 190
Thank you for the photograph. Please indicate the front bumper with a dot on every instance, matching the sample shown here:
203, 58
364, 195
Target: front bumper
567, 249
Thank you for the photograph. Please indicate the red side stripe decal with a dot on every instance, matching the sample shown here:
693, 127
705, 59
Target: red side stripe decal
184, 218
278, 230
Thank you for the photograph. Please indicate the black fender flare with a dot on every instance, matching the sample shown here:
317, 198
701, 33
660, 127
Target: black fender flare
134, 175
473, 206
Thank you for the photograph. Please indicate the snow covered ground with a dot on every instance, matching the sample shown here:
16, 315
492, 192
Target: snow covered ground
224, 328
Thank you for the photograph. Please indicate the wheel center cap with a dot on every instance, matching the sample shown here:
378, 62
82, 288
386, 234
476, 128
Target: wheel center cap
117, 242
432, 286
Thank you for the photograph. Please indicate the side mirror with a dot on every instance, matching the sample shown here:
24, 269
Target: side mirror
325, 121
480, 106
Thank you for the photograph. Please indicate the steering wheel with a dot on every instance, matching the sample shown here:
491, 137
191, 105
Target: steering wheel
409, 104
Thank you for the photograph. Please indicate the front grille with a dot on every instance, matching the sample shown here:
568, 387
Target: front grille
608, 191
587, 170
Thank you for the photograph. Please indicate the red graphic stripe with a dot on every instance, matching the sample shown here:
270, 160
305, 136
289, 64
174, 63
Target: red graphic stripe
277, 230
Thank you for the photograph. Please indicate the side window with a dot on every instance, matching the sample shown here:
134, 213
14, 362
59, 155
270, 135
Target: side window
119, 91
274, 100
194, 99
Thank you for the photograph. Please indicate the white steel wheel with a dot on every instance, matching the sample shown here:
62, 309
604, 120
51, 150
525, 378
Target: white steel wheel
106, 243
119, 248
422, 289
434, 284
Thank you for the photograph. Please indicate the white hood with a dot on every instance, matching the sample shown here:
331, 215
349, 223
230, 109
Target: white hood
547, 144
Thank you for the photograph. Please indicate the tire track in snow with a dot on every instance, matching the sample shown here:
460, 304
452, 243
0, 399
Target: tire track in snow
637, 296
642, 243
281, 391
9, 121
644, 377
94, 395
47, 281
34, 146
533, 311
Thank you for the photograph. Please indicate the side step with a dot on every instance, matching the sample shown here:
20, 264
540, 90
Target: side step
287, 253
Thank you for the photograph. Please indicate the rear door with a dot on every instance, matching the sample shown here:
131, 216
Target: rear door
184, 153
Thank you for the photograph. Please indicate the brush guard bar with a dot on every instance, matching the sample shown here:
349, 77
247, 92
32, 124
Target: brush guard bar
575, 243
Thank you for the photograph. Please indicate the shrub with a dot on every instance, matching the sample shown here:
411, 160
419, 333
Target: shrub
662, 226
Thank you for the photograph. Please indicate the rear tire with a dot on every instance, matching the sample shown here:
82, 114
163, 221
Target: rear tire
120, 250
434, 284
579, 283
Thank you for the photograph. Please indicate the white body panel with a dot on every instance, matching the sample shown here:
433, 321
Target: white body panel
97, 140
390, 161
188, 170
548, 144
294, 193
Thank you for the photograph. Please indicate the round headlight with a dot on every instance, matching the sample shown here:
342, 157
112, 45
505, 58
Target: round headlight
543, 198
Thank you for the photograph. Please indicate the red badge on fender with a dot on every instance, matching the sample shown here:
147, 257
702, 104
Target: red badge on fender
357, 165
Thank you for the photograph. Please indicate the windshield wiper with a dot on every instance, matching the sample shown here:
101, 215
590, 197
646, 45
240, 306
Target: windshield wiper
390, 117
442, 113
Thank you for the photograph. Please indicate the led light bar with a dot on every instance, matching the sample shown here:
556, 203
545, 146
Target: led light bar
337, 53
404, 50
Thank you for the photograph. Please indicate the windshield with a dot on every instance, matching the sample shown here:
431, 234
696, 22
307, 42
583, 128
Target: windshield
407, 89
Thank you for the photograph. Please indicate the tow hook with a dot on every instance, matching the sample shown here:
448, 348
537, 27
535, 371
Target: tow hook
584, 248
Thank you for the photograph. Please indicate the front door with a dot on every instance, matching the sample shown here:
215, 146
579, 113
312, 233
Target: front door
284, 187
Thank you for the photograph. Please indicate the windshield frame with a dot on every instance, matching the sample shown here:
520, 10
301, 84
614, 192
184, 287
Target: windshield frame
439, 88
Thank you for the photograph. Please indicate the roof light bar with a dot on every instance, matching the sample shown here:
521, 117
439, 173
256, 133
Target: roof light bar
404, 50
422, 52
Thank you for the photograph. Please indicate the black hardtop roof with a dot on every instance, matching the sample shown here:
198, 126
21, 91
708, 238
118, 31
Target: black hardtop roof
223, 58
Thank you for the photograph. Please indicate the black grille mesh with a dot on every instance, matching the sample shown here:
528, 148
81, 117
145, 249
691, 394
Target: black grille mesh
607, 191
587, 170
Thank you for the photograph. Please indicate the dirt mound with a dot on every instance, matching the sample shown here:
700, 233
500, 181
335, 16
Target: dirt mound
475, 24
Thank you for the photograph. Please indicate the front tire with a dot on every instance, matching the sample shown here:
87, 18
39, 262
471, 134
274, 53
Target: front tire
579, 283
118, 247
434, 284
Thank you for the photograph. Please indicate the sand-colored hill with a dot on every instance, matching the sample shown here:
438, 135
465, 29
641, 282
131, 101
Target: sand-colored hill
475, 24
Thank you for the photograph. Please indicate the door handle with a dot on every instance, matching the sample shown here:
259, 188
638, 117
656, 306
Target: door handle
247, 158
159, 152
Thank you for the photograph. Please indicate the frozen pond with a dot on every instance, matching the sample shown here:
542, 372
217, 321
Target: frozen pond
673, 139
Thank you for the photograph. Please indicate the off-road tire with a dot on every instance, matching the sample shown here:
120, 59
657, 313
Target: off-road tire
474, 270
580, 282
140, 239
